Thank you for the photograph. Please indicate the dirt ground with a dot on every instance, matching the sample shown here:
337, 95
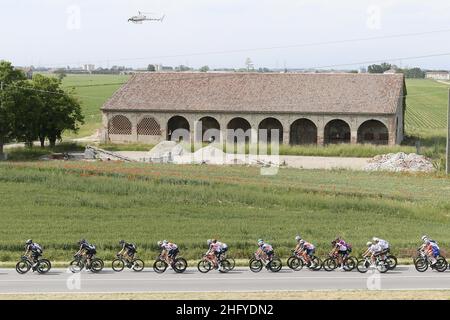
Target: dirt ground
277, 295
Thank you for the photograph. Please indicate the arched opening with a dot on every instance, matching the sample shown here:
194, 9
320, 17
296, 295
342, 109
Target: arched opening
119, 125
373, 132
265, 130
178, 129
337, 131
148, 127
210, 130
303, 131
238, 131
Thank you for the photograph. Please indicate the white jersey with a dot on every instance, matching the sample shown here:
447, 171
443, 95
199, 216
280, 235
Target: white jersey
221, 245
169, 246
384, 245
375, 248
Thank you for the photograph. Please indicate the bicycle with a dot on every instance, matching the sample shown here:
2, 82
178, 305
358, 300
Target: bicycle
381, 265
26, 264
296, 262
256, 264
205, 264
178, 264
230, 259
120, 262
80, 262
331, 263
423, 261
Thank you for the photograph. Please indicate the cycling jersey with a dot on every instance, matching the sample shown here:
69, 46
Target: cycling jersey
341, 245
375, 248
169, 246
433, 248
221, 247
384, 245
266, 248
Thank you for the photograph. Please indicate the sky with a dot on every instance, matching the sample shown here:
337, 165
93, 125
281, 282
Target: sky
60, 33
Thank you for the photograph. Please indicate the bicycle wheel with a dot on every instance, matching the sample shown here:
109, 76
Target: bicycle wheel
316, 264
329, 264
179, 265
392, 262
44, 266
97, 265
255, 265
160, 266
295, 264
118, 265
350, 264
421, 264
232, 263
76, 266
275, 265
363, 266
23, 266
441, 264
204, 266
224, 266
382, 266
138, 265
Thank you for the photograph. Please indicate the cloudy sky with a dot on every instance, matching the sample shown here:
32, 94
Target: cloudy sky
61, 32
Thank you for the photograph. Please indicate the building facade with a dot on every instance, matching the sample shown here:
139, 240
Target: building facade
438, 75
303, 108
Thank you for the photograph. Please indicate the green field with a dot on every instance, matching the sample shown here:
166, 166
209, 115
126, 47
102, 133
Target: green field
92, 91
57, 203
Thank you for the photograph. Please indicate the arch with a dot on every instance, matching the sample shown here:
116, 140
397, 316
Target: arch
337, 131
373, 132
119, 125
148, 127
303, 131
210, 130
270, 124
178, 129
238, 130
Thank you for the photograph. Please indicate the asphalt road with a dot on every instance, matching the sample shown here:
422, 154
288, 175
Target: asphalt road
241, 279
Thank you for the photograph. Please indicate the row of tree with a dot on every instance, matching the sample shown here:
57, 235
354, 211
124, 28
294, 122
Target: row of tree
415, 73
36, 109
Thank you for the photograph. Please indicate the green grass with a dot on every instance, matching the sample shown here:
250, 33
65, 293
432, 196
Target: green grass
106, 202
92, 91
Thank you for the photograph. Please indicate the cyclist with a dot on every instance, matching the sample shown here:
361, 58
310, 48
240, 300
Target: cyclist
213, 252
169, 250
128, 250
431, 249
87, 251
373, 250
33, 251
342, 249
265, 250
220, 249
305, 249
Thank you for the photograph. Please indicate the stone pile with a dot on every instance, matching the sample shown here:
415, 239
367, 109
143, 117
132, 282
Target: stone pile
400, 162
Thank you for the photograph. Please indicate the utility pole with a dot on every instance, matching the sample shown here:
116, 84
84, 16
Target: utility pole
448, 136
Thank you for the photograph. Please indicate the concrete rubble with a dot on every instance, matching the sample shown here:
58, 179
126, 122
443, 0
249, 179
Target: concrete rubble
400, 162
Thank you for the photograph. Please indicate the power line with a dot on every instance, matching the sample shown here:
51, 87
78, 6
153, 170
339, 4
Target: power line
302, 45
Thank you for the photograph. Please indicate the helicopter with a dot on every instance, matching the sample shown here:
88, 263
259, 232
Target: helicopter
141, 17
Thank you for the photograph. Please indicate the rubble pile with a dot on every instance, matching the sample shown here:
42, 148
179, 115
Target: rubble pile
400, 162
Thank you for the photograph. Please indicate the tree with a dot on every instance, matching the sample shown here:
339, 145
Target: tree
379, 68
415, 73
151, 67
8, 75
182, 68
24, 108
204, 69
60, 110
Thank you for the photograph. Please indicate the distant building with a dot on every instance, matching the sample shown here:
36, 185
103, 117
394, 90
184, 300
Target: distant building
438, 75
390, 71
305, 108
89, 67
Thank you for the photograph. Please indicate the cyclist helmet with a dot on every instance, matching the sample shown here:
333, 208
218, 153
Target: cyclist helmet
165, 241
159, 243
260, 242
375, 239
29, 241
209, 241
424, 238
369, 244
121, 242
298, 238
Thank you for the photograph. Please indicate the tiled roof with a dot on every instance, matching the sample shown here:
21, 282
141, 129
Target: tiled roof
260, 93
